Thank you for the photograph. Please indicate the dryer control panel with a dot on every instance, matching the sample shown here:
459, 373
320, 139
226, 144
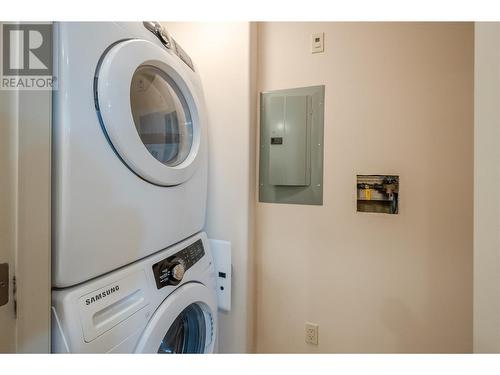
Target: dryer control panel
170, 271
169, 42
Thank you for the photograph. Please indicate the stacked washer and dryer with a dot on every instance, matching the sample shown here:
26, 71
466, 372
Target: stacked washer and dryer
132, 271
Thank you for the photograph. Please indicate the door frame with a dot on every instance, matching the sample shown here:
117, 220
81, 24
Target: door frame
25, 219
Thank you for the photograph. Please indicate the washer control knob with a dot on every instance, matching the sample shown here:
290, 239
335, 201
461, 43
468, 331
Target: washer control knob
152, 26
177, 272
157, 29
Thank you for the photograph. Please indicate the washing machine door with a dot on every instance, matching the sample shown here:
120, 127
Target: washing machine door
186, 322
151, 110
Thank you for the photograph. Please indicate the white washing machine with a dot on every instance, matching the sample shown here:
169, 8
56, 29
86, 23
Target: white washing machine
129, 147
165, 303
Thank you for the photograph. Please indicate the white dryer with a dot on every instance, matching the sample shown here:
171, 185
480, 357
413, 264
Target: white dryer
129, 147
165, 303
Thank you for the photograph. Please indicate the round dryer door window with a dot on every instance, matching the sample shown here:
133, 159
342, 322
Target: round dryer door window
151, 110
186, 322
161, 115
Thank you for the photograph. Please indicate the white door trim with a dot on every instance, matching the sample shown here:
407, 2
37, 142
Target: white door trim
33, 258
8, 205
25, 217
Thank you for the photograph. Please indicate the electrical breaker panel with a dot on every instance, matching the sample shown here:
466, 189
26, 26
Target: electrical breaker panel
291, 140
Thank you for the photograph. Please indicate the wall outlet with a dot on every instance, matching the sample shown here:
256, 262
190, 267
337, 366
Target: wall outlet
312, 333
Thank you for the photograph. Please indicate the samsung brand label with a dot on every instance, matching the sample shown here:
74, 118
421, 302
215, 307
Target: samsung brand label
102, 295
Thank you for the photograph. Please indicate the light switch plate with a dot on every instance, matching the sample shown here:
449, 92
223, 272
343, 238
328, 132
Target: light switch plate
318, 43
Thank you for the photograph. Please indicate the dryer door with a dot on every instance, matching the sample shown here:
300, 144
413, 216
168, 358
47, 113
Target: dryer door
150, 110
186, 322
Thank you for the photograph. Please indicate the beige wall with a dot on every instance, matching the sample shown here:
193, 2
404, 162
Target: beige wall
486, 184
399, 100
222, 54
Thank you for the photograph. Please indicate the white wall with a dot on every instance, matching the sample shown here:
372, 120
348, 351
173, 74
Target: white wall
399, 100
222, 53
486, 187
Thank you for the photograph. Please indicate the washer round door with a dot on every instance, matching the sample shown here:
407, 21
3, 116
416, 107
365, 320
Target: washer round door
150, 111
186, 322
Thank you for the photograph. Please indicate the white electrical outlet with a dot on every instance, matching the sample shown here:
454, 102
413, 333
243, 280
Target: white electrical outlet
312, 333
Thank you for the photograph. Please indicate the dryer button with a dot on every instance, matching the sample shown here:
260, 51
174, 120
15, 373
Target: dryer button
163, 36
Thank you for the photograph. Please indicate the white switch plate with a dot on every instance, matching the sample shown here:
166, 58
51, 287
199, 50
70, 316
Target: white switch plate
318, 43
312, 333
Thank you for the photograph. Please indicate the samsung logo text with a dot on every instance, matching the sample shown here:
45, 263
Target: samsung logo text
101, 295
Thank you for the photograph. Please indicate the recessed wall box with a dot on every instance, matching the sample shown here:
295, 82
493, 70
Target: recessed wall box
291, 146
378, 193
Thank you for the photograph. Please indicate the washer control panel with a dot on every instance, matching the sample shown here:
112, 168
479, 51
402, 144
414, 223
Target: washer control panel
171, 270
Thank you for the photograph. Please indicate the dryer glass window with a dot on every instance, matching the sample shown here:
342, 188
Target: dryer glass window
187, 334
161, 115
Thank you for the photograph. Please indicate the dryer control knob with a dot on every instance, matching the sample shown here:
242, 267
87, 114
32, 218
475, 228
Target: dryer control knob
164, 37
177, 272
